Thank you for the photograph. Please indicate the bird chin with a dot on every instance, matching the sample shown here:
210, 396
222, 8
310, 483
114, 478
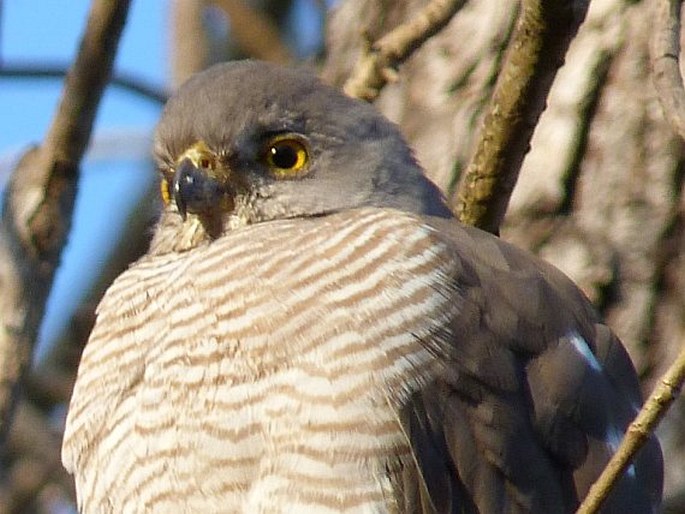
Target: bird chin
215, 226
212, 223
223, 217
235, 221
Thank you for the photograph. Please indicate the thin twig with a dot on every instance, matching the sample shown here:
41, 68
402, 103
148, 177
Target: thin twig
37, 70
378, 63
664, 394
665, 57
542, 36
40, 196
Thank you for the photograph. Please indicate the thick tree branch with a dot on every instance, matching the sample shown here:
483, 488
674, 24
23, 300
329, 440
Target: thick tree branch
665, 56
664, 394
378, 64
543, 33
39, 199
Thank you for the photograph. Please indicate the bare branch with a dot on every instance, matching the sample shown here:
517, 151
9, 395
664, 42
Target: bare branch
664, 394
194, 49
36, 70
376, 67
40, 196
256, 34
665, 56
543, 33
190, 52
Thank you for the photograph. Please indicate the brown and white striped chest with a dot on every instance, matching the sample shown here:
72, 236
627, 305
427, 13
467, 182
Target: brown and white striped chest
261, 372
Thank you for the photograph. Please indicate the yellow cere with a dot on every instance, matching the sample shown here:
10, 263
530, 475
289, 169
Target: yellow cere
164, 191
200, 155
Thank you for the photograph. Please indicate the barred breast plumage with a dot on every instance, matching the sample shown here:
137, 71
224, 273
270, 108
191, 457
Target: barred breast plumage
237, 372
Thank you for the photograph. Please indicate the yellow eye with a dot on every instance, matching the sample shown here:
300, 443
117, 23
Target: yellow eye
286, 156
164, 191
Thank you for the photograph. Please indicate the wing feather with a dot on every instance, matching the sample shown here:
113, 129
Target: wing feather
535, 394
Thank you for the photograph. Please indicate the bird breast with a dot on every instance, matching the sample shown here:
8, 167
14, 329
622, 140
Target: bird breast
267, 366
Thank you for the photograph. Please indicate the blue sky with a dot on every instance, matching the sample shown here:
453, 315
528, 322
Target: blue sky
29, 104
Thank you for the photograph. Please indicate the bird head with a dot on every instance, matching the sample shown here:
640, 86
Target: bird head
249, 142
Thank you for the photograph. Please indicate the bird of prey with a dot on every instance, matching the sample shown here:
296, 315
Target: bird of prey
312, 331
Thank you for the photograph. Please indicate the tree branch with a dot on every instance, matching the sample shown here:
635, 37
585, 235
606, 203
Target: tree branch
665, 57
376, 67
56, 71
542, 36
190, 45
254, 31
40, 196
664, 394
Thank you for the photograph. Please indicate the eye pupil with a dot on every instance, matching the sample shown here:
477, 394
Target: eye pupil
284, 156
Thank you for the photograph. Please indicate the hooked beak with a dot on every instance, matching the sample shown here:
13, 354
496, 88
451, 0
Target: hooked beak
195, 191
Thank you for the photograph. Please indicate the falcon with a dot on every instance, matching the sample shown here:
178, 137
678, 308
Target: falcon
312, 331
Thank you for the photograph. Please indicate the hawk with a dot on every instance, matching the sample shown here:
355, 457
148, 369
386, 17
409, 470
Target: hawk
312, 331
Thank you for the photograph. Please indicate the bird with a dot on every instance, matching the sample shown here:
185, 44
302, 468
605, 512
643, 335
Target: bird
313, 331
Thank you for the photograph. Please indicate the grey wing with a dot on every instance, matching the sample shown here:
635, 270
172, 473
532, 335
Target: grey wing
533, 398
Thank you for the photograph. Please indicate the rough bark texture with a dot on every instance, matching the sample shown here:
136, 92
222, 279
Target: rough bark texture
600, 194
